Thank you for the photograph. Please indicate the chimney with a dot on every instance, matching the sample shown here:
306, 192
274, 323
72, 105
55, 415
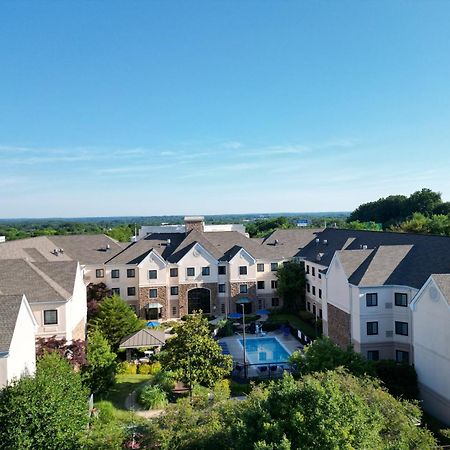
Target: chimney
196, 223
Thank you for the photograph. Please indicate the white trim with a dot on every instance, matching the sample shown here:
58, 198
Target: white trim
151, 252
203, 249
242, 249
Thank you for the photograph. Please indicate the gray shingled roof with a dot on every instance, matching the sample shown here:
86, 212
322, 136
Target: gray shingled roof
144, 338
87, 249
443, 282
38, 281
9, 310
429, 254
352, 259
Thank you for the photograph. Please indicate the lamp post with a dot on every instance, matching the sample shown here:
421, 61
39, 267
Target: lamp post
243, 326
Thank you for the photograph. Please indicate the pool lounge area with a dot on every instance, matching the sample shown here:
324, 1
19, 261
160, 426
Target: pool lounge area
266, 356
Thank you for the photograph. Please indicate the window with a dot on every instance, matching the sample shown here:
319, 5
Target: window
190, 271
243, 288
242, 270
221, 288
222, 270
273, 267
260, 267
313, 271
308, 306
319, 275
260, 284
371, 299
50, 317
205, 271
320, 293
373, 355
308, 287
314, 309
320, 313
131, 273
131, 291
372, 328
401, 328
401, 356
401, 299
313, 290
174, 311
274, 284
307, 268
275, 302
152, 274
153, 293
100, 273
174, 290
115, 273
115, 291
174, 272
222, 308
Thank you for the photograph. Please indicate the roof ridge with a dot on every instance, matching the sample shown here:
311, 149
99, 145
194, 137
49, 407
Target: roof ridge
56, 286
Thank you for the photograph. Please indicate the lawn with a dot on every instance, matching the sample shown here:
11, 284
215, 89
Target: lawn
294, 321
125, 385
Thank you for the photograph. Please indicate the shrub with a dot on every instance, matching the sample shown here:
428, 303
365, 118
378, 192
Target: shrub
149, 369
225, 329
399, 379
127, 368
164, 380
221, 390
152, 397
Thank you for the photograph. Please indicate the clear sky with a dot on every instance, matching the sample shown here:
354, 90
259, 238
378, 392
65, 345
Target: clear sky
203, 107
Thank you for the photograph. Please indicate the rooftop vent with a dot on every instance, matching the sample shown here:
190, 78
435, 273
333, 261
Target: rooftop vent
275, 242
108, 247
325, 241
364, 247
168, 242
55, 251
317, 240
319, 256
61, 250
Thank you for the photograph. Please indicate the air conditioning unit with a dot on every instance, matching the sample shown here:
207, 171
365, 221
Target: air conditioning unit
388, 305
389, 334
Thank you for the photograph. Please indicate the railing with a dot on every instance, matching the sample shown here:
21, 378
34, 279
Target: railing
260, 370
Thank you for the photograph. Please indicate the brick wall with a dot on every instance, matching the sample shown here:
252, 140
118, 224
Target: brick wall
236, 295
197, 225
338, 326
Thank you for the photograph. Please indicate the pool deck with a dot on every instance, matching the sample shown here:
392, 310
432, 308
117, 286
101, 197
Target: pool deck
289, 342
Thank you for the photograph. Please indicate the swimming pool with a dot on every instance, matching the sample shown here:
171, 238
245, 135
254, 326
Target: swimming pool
264, 350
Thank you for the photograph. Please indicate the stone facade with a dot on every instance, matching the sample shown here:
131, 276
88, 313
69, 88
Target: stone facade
161, 298
236, 295
183, 290
197, 225
338, 326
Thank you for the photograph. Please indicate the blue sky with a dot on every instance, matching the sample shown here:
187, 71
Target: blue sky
203, 107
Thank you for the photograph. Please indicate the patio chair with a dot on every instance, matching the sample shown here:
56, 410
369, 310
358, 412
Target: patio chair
262, 369
273, 368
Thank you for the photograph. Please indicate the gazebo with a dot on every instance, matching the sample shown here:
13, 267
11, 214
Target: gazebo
143, 338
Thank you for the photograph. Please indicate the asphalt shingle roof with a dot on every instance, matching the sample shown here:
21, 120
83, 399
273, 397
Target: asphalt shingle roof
9, 310
443, 282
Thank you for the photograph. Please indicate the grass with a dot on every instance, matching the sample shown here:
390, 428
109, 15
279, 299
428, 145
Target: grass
125, 385
294, 321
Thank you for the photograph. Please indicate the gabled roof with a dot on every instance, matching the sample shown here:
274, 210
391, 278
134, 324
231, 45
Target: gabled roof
144, 338
85, 248
40, 282
443, 283
351, 260
9, 311
418, 256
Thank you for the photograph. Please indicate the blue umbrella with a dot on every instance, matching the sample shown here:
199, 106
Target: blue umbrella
263, 312
235, 315
152, 324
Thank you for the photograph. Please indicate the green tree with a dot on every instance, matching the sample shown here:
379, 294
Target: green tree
263, 227
323, 354
193, 355
424, 201
48, 411
327, 410
116, 320
291, 285
99, 373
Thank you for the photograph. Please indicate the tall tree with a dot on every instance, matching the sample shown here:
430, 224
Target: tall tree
100, 371
115, 320
193, 355
48, 411
291, 285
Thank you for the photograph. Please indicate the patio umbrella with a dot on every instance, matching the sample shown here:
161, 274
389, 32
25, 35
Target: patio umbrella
263, 312
235, 316
152, 324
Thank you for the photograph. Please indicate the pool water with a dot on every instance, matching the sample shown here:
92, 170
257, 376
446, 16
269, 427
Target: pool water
264, 350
